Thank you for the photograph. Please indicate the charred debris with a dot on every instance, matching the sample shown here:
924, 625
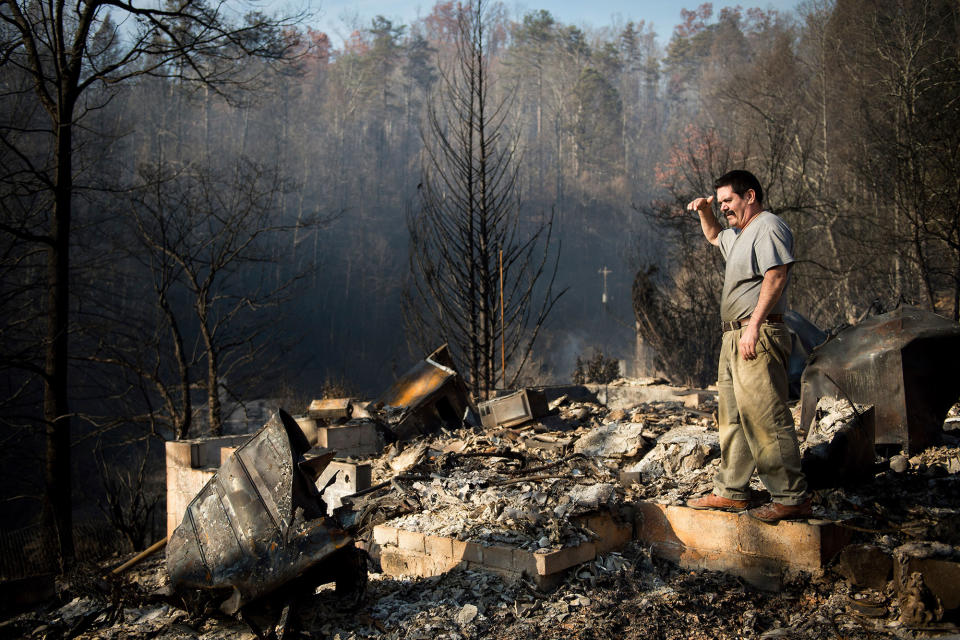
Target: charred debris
286, 539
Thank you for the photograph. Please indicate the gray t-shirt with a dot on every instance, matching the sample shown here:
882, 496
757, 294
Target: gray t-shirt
766, 242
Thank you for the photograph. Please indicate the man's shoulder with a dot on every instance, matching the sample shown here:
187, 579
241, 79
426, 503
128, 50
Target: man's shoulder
771, 222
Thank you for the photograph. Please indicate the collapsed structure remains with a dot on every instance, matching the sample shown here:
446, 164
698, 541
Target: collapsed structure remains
536, 484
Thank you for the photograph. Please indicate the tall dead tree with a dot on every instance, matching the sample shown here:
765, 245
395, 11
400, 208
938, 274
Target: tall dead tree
469, 211
69, 57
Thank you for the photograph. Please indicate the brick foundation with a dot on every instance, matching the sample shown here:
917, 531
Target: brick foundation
762, 554
411, 553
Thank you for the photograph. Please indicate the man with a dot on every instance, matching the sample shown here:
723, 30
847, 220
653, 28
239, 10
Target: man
756, 427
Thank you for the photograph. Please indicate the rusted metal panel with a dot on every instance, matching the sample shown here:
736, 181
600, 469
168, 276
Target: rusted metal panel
902, 362
513, 409
422, 381
331, 409
257, 524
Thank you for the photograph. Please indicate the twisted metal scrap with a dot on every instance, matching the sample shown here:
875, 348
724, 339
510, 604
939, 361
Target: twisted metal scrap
257, 524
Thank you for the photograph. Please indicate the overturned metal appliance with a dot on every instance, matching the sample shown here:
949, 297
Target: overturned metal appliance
331, 409
259, 523
513, 409
902, 362
430, 395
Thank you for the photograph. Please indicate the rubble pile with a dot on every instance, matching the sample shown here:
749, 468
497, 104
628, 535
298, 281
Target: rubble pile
522, 486
524, 515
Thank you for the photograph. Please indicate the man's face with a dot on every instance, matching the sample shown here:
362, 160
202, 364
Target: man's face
734, 207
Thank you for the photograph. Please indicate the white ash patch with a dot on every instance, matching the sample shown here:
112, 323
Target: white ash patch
612, 440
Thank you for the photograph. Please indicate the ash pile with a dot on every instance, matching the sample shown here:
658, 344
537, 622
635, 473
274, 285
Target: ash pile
526, 470
480, 484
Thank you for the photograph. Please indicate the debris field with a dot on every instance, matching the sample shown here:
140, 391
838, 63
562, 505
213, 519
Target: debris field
532, 487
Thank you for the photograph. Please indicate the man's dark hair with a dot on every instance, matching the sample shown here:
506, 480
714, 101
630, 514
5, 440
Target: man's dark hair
740, 181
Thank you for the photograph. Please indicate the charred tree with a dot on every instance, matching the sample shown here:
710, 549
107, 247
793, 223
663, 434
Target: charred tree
68, 57
207, 236
670, 318
468, 213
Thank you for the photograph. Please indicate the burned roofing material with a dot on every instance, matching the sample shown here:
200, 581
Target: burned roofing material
258, 524
902, 362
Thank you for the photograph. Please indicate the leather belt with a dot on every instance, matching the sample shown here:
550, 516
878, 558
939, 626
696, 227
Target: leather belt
775, 318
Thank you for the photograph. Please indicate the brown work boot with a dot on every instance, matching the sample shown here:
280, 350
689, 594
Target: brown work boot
774, 511
713, 501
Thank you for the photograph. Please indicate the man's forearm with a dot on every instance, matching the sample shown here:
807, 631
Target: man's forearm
774, 282
709, 225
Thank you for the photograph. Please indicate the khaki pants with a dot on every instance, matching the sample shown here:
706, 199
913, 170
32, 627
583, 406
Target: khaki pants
756, 427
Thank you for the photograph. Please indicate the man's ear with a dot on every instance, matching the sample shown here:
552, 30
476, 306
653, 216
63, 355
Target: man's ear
751, 196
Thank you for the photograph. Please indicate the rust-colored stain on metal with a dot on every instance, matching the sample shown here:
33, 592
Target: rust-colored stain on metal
416, 385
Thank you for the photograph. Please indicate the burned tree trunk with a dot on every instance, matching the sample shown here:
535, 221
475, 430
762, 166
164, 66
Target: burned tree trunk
468, 211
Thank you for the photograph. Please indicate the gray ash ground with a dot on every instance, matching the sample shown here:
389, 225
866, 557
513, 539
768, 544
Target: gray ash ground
626, 595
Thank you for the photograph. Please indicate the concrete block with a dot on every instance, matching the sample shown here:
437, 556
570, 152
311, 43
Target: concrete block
548, 582
183, 484
177, 454
555, 561
864, 565
351, 439
384, 535
498, 557
525, 562
940, 575
331, 408
800, 544
697, 398
405, 562
410, 553
468, 551
340, 437
410, 540
369, 438
438, 547
350, 475
611, 535
703, 530
206, 452
760, 553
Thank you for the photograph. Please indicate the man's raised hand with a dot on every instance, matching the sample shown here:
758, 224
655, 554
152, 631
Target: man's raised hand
700, 204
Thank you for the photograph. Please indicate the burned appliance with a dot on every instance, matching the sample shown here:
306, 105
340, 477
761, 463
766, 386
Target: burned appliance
259, 523
430, 395
902, 362
513, 409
